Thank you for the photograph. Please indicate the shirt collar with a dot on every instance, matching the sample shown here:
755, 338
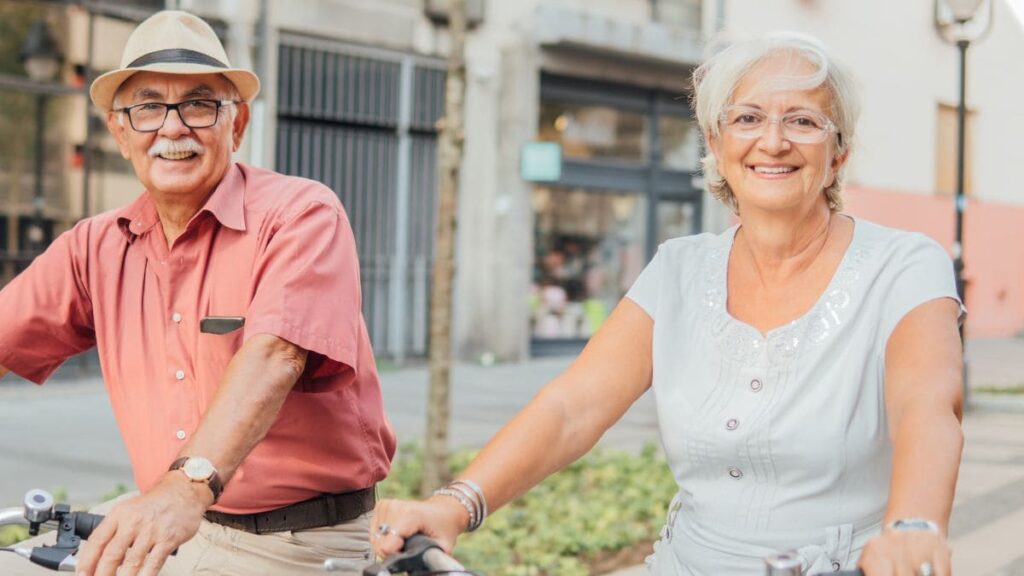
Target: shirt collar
137, 218
226, 204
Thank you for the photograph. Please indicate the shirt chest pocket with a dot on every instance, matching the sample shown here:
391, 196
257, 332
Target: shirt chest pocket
219, 339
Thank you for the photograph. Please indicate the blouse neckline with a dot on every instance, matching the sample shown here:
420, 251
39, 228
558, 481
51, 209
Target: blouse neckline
730, 242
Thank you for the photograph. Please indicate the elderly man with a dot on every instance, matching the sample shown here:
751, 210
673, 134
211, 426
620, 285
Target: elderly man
225, 306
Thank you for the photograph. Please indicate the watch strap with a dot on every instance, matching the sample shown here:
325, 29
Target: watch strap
214, 482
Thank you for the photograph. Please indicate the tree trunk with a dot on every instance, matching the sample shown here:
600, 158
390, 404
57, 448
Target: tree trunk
435, 464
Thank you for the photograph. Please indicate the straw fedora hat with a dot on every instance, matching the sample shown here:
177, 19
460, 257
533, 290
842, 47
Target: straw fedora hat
172, 42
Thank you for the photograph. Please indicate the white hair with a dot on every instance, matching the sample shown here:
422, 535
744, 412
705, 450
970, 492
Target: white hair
715, 81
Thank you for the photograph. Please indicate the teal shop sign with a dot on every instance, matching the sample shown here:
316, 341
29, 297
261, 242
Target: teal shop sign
541, 162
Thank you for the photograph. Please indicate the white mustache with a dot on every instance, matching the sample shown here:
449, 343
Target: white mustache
181, 145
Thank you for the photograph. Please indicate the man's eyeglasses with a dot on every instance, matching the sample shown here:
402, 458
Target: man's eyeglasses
800, 127
150, 116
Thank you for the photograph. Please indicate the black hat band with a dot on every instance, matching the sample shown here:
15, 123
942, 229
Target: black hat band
176, 56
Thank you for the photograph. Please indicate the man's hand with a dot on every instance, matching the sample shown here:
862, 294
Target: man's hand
140, 533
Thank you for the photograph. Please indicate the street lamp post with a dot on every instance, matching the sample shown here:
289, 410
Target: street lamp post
42, 58
961, 22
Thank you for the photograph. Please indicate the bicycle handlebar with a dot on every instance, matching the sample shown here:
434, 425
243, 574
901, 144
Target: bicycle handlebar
71, 527
419, 555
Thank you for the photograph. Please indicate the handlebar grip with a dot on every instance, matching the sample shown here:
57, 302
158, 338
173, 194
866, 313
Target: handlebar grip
420, 554
85, 523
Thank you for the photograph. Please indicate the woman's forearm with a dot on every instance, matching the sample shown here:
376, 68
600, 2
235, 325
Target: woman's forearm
926, 460
572, 412
539, 441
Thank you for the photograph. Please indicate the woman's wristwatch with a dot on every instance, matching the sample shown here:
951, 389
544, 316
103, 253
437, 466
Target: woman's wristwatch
913, 524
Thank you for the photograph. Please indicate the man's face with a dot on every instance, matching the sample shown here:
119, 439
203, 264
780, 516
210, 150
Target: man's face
178, 161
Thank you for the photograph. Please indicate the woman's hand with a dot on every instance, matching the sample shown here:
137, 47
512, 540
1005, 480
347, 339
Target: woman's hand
906, 553
441, 518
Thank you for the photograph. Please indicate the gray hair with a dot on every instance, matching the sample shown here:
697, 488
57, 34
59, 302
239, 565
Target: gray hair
715, 81
232, 94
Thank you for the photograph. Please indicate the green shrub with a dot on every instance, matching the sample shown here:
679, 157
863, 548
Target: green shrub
605, 502
11, 534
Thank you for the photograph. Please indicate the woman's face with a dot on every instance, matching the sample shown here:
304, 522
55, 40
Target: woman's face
770, 172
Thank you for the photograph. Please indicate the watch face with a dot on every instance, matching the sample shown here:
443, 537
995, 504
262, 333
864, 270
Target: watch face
198, 468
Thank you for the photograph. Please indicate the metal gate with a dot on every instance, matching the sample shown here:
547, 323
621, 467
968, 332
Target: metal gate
363, 122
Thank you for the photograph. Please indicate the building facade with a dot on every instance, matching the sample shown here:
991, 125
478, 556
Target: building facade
353, 91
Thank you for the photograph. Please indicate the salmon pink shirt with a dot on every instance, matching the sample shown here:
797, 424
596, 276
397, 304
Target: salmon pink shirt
275, 250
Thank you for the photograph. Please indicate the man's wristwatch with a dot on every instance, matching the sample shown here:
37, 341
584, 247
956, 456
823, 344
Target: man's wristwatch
199, 469
913, 524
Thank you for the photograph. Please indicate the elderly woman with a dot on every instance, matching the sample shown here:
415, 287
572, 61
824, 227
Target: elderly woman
806, 365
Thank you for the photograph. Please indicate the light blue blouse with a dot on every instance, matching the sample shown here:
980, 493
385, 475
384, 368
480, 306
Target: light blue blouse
778, 442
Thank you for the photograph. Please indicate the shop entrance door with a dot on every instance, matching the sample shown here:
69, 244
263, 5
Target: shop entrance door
630, 160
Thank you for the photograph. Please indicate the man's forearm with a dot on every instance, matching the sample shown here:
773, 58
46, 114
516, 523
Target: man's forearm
255, 386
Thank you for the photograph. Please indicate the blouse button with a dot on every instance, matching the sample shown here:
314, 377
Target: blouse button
176, 317
180, 375
180, 434
732, 424
836, 566
735, 472
756, 385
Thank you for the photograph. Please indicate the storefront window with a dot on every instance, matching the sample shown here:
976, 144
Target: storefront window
589, 248
593, 132
680, 143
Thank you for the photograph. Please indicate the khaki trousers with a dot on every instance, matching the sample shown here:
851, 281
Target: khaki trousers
221, 551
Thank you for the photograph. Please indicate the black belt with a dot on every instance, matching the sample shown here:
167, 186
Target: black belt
325, 510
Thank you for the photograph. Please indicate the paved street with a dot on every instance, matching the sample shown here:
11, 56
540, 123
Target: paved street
63, 436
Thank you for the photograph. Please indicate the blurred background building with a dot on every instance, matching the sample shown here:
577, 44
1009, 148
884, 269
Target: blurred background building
581, 152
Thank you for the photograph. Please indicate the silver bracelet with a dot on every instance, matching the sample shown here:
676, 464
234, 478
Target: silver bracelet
481, 513
466, 503
913, 524
479, 493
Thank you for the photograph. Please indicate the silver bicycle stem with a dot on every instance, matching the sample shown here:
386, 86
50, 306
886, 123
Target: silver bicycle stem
784, 564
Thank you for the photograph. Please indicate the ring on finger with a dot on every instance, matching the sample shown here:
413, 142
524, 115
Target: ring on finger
925, 569
385, 529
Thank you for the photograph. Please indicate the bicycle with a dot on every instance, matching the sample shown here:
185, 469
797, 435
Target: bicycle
420, 556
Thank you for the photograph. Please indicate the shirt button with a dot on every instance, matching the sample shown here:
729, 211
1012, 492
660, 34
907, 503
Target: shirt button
732, 424
836, 566
180, 374
735, 472
176, 317
756, 385
180, 434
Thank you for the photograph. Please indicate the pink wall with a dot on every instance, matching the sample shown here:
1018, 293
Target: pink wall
993, 242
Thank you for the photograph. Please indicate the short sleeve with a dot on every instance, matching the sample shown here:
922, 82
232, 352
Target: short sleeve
647, 286
307, 287
46, 310
921, 271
